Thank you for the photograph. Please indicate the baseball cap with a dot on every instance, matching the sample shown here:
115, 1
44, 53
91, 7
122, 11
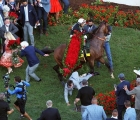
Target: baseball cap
121, 75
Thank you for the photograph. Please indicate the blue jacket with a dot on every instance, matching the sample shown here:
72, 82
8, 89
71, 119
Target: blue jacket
130, 114
76, 27
94, 112
121, 94
46, 5
31, 14
30, 53
18, 89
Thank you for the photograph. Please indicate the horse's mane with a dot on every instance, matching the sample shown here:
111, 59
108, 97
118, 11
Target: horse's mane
100, 25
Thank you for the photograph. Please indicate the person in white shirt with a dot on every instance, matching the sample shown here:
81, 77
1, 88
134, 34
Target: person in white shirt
75, 81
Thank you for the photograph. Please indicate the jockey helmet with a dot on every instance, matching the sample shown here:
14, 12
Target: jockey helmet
81, 21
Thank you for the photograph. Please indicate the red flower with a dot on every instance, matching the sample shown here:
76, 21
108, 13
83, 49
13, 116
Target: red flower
13, 43
13, 15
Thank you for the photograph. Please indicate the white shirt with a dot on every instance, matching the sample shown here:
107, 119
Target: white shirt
128, 108
7, 28
39, 4
114, 117
26, 13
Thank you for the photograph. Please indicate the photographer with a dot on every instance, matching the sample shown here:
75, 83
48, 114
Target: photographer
20, 91
4, 108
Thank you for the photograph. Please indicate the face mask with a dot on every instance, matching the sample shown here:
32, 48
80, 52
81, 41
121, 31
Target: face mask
89, 25
24, 5
7, 24
12, 3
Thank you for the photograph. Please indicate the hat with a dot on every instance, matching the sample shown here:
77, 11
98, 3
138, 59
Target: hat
138, 80
121, 75
137, 72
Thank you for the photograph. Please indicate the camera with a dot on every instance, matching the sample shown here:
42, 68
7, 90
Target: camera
6, 79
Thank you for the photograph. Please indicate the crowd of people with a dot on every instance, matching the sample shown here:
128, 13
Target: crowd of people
34, 13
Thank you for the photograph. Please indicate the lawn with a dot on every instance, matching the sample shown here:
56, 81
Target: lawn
125, 51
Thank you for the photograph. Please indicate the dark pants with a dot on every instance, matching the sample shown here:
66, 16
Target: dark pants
138, 114
21, 104
66, 5
42, 15
120, 109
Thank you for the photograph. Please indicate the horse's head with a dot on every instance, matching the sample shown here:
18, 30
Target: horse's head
103, 27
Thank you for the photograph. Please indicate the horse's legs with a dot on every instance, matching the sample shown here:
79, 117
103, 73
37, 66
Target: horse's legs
60, 76
91, 66
107, 65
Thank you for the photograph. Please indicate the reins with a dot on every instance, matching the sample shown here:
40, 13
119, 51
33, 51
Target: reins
100, 38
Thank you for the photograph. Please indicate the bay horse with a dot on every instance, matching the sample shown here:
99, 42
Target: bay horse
96, 51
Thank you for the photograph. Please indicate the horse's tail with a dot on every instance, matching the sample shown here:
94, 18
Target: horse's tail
47, 50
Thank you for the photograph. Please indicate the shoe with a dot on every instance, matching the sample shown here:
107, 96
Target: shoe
39, 80
46, 33
9, 71
21, 116
96, 73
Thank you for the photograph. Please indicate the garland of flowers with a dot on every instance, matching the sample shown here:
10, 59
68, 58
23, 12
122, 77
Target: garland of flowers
72, 54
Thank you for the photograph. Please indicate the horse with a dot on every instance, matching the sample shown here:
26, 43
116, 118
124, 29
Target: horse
96, 51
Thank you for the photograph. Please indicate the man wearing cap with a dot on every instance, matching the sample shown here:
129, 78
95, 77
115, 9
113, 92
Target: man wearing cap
136, 92
121, 94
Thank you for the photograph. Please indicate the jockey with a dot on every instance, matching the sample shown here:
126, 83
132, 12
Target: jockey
78, 26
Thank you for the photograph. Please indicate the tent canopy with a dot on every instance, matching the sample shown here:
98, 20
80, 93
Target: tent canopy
126, 2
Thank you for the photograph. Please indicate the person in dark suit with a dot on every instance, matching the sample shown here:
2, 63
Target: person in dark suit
50, 113
85, 95
29, 52
121, 94
43, 9
7, 27
28, 18
114, 115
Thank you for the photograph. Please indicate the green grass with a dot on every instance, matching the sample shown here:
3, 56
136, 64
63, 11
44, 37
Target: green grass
125, 51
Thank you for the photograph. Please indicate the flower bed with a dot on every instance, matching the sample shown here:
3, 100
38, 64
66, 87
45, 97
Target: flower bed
108, 100
109, 13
